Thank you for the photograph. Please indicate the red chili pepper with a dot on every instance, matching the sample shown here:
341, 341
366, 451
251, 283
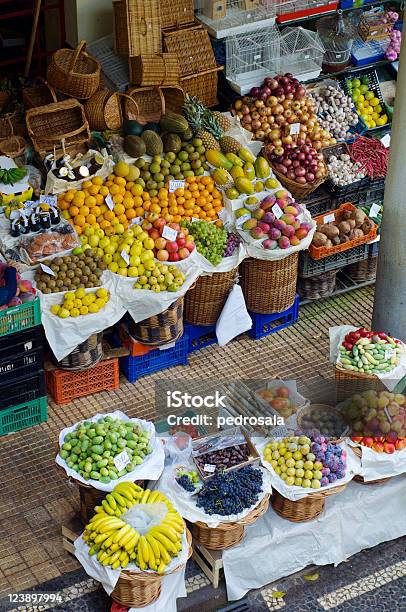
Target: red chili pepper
382, 335
348, 346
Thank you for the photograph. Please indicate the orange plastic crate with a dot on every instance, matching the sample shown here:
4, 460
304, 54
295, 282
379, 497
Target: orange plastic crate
136, 348
321, 252
65, 386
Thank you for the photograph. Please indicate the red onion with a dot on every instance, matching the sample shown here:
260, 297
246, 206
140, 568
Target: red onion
255, 91
301, 180
310, 177
300, 171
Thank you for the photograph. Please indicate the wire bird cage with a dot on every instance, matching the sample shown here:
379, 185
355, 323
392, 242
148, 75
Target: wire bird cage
232, 17
289, 10
301, 53
252, 57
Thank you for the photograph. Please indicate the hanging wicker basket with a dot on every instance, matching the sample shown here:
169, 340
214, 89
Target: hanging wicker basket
299, 191
40, 94
74, 72
13, 146
226, 535
269, 286
306, 509
205, 300
103, 110
86, 355
138, 589
7, 125
163, 328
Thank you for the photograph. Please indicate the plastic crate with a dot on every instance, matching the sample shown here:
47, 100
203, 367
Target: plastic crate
65, 386
290, 10
318, 202
114, 67
14, 368
23, 416
364, 53
311, 267
18, 318
265, 324
21, 342
346, 4
154, 361
373, 86
374, 249
23, 390
200, 336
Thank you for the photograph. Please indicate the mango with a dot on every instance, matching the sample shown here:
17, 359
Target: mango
262, 168
249, 224
244, 185
249, 171
217, 159
246, 155
240, 212
234, 159
236, 171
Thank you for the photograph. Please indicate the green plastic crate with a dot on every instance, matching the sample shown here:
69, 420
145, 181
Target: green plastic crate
23, 416
18, 318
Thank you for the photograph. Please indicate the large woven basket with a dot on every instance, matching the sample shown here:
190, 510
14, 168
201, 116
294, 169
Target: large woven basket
138, 589
174, 98
360, 479
363, 270
150, 103
137, 27
74, 72
317, 287
159, 69
348, 383
57, 126
203, 85
193, 49
103, 110
165, 327
269, 286
176, 13
306, 509
298, 191
7, 125
40, 94
226, 535
86, 355
205, 300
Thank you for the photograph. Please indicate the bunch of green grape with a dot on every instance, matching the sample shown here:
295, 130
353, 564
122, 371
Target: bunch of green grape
210, 240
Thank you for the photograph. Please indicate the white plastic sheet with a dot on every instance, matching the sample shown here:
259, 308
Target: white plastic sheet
358, 518
64, 335
294, 492
109, 577
150, 469
57, 185
186, 506
227, 263
389, 379
379, 465
234, 318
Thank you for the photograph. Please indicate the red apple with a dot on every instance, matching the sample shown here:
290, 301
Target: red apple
400, 443
172, 246
389, 447
154, 234
183, 253
174, 226
162, 255
173, 257
368, 441
356, 438
378, 447
181, 241
190, 246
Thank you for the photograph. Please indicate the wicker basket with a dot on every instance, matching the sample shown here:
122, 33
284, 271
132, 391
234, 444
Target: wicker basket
61, 122
174, 98
165, 327
86, 355
193, 48
202, 85
137, 27
74, 72
159, 69
103, 110
176, 13
150, 102
40, 94
363, 270
348, 383
299, 191
7, 125
269, 286
360, 479
317, 287
205, 300
138, 589
306, 509
13, 146
226, 535
307, 410
4, 98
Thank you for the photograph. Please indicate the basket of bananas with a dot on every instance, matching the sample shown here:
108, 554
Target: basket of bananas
143, 555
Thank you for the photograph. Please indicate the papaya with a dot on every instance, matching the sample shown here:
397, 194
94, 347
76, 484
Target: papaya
244, 185
217, 159
262, 168
236, 161
246, 155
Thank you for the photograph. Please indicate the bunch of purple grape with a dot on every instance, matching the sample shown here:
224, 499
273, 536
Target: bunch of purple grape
232, 244
333, 458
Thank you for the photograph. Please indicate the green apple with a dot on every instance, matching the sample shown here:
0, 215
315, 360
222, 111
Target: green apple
134, 260
113, 266
107, 258
93, 241
89, 231
99, 232
132, 271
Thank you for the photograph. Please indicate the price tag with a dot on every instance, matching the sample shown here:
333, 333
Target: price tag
209, 467
51, 200
174, 185
389, 353
241, 220
47, 270
277, 211
125, 256
194, 219
375, 209
294, 129
121, 460
109, 202
28, 204
329, 218
136, 221
385, 140
169, 233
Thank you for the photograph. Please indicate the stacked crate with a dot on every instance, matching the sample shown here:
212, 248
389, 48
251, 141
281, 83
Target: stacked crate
23, 400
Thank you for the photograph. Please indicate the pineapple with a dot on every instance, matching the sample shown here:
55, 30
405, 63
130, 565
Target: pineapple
210, 124
223, 121
209, 142
228, 144
193, 110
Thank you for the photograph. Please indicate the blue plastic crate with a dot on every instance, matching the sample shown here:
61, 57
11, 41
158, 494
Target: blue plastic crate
200, 336
265, 324
374, 249
154, 361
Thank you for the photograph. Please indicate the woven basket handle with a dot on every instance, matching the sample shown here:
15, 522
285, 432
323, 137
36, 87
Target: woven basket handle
162, 98
40, 81
75, 56
134, 103
164, 63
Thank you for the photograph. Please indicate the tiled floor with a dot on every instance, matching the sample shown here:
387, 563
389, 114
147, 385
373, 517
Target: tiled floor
36, 500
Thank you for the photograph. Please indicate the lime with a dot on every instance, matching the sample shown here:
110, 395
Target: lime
363, 89
356, 83
356, 92
369, 95
365, 80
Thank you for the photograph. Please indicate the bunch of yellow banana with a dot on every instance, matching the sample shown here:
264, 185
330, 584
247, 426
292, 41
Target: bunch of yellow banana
117, 543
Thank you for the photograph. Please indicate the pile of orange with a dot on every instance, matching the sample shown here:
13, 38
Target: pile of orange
87, 207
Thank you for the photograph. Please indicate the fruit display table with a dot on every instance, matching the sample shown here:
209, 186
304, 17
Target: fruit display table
361, 517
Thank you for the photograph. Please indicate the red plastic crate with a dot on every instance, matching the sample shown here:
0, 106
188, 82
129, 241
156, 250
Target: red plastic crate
316, 10
65, 386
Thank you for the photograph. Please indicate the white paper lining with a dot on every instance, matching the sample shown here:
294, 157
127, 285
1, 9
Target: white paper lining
374, 466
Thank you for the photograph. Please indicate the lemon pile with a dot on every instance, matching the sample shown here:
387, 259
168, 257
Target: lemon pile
367, 104
78, 303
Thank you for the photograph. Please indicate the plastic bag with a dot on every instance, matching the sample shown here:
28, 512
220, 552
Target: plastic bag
179, 446
55, 184
145, 516
234, 318
36, 247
